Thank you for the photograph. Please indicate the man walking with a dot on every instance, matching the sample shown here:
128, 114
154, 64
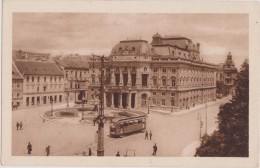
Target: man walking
21, 125
146, 134
150, 134
118, 154
154, 149
17, 125
48, 149
29, 148
89, 152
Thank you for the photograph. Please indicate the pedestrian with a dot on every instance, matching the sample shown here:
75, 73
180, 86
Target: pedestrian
89, 152
48, 149
154, 149
17, 125
43, 120
146, 134
94, 121
150, 134
29, 148
118, 154
21, 125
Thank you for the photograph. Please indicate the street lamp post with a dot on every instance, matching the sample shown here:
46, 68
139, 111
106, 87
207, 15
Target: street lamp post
82, 109
51, 99
148, 105
101, 118
206, 124
68, 99
172, 106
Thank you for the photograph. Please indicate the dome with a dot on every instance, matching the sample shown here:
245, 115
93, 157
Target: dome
157, 35
132, 47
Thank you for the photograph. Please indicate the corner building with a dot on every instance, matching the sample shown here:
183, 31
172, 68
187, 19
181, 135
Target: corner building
166, 73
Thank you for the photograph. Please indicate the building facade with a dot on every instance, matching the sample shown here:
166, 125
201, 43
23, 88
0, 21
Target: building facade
76, 78
227, 74
17, 88
166, 73
43, 83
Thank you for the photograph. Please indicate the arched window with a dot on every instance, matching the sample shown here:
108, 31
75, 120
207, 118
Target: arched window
163, 81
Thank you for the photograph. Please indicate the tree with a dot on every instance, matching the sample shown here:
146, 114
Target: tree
231, 139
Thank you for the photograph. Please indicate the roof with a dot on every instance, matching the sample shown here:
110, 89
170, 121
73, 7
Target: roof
132, 47
15, 73
68, 63
38, 68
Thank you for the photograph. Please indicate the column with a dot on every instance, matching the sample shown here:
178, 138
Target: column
129, 78
136, 100
112, 78
129, 100
105, 100
112, 100
120, 100
121, 77
138, 77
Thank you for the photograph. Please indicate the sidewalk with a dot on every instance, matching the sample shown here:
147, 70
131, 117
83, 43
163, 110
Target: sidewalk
183, 112
190, 150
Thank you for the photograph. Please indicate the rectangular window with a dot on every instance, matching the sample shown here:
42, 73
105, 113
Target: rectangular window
163, 93
59, 79
144, 79
18, 85
125, 79
60, 98
51, 79
133, 76
45, 79
27, 79
32, 78
173, 94
173, 70
38, 100
173, 83
155, 70
32, 100
27, 101
55, 78
44, 88
163, 102
164, 70
55, 99
38, 89
154, 81
154, 93
117, 76
18, 94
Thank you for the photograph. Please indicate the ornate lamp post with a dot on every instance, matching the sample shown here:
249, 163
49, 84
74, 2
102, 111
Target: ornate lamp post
51, 99
101, 118
149, 105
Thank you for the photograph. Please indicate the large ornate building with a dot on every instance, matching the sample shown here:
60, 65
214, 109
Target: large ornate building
166, 73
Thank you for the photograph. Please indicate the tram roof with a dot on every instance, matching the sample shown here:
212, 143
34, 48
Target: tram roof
128, 118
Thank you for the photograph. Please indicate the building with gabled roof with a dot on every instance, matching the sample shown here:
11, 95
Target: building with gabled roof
43, 83
76, 77
17, 88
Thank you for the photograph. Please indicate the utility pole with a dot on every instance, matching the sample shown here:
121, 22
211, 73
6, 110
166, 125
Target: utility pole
101, 118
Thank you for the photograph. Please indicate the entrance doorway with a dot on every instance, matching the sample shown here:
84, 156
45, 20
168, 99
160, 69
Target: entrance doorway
133, 100
124, 100
116, 102
144, 98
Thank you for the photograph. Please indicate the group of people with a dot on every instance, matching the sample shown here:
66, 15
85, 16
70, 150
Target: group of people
19, 125
47, 149
150, 134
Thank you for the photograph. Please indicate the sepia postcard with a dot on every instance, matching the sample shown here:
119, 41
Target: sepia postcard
130, 83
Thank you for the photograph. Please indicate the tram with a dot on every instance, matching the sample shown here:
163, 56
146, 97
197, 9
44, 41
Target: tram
123, 126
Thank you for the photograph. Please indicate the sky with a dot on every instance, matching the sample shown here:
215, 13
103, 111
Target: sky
86, 33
